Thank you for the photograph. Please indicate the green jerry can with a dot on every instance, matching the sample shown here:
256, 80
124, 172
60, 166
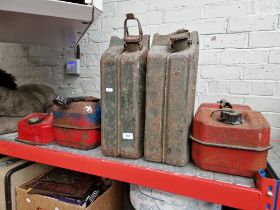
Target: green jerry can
170, 95
123, 73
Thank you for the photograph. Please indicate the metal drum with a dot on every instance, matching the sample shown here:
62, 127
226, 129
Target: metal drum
170, 95
123, 71
143, 198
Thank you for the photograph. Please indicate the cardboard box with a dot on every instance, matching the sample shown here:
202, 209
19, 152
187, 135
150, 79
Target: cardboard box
14, 172
112, 199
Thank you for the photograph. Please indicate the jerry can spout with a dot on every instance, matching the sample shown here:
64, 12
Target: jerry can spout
180, 40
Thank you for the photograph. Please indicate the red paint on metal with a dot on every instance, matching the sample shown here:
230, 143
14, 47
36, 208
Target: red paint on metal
253, 133
199, 188
77, 138
39, 133
268, 188
78, 125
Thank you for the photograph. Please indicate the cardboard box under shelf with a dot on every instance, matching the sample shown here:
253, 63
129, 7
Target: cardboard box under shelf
112, 199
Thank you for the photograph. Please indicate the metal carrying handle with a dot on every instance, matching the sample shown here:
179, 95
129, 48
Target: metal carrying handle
63, 102
218, 110
130, 16
132, 40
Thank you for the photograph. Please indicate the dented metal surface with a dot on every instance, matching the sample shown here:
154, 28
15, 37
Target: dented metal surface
239, 149
123, 70
170, 94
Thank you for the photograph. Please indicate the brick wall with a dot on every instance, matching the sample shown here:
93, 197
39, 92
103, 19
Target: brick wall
239, 56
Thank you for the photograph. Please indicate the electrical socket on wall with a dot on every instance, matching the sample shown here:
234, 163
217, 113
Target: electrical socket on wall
73, 67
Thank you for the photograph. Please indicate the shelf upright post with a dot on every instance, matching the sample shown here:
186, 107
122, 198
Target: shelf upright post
269, 191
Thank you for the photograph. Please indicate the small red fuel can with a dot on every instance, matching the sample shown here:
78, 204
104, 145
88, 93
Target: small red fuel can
232, 140
78, 124
36, 129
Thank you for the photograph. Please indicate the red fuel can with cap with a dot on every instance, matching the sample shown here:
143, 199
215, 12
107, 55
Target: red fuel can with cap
78, 124
36, 128
233, 140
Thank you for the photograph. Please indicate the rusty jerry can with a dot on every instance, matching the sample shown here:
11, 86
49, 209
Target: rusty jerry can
123, 71
232, 140
170, 95
78, 123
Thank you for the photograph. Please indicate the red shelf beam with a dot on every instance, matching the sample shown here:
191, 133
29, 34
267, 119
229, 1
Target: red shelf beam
199, 188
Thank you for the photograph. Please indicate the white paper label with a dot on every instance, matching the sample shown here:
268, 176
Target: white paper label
109, 90
88, 109
28, 200
128, 136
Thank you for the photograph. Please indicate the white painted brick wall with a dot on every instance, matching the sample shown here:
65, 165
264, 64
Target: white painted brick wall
227, 8
208, 26
222, 41
274, 56
244, 56
239, 87
239, 56
252, 23
263, 88
262, 72
264, 39
217, 86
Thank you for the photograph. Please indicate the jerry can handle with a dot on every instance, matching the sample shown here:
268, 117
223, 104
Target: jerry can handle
132, 42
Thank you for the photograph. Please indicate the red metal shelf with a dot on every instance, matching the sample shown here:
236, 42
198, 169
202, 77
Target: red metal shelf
234, 191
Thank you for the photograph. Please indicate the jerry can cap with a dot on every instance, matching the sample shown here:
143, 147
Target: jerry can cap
231, 117
180, 40
180, 34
